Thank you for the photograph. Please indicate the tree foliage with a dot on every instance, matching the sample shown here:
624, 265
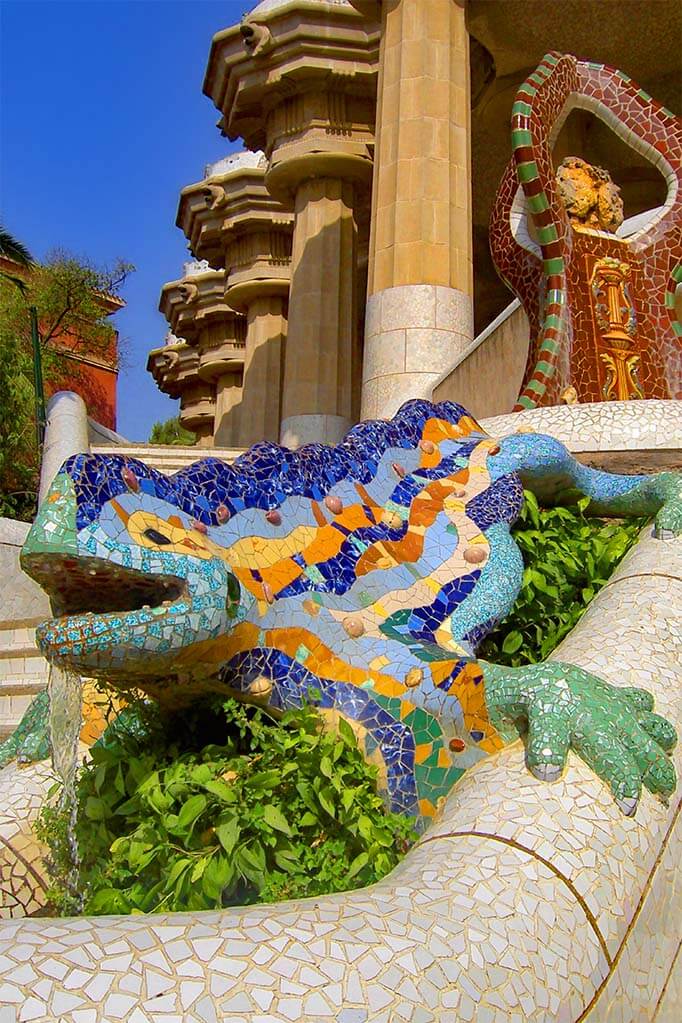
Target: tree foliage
71, 299
171, 432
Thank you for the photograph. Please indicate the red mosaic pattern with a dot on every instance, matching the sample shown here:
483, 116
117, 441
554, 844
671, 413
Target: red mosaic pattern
570, 344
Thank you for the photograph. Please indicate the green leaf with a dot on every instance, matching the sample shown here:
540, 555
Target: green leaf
360, 861
222, 790
276, 819
308, 819
346, 732
96, 809
178, 868
191, 810
286, 860
512, 642
326, 798
264, 780
228, 833
347, 798
199, 868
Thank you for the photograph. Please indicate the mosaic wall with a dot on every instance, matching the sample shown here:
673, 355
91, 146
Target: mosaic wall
523, 901
361, 577
601, 307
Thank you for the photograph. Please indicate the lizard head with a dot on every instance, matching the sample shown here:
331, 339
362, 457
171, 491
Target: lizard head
135, 580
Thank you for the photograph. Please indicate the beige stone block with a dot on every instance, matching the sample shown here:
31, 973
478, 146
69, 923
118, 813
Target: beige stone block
416, 137
413, 62
433, 176
385, 230
431, 262
438, 140
408, 306
454, 311
459, 103
410, 263
373, 315
383, 276
369, 408
437, 21
461, 194
384, 353
314, 429
394, 390
432, 351
437, 224
390, 66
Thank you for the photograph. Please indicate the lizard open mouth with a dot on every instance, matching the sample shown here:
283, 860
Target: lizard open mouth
92, 597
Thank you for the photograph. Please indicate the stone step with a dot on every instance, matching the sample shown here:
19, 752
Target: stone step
17, 639
22, 687
167, 458
7, 652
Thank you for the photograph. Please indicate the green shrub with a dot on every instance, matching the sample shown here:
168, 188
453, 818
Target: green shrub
277, 810
568, 557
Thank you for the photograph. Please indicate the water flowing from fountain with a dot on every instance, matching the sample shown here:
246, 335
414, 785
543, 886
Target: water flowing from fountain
66, 708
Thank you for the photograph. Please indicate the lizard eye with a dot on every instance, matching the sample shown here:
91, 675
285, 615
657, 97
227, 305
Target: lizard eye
156, 537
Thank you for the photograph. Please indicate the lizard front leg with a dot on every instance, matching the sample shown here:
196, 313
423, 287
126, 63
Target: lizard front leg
557, 707
548, 469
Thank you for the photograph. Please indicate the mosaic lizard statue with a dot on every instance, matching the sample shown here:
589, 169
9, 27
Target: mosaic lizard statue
360, 577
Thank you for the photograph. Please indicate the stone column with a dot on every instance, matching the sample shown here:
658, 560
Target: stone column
227, 410
419, 309
317, 391
197, 411
211, 350
266, 331
66, 434
303, 89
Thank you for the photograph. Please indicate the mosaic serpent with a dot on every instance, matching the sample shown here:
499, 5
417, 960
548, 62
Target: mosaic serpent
361, 578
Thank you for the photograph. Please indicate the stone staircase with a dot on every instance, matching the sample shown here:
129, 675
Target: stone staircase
23, 671
166, 459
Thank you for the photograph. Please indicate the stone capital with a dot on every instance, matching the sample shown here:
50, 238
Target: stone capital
231, 196
292, 65
194, 302
222, 348
174, 367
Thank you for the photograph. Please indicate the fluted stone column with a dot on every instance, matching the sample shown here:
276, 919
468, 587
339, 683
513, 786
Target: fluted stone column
227, 410
420, 287
266, 331
303, 89
317, 391
210, 350
197, 411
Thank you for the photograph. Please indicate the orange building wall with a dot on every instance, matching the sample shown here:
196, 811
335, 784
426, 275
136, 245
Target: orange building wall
95, 384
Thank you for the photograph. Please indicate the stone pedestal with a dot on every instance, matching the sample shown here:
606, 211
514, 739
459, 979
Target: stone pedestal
419, 311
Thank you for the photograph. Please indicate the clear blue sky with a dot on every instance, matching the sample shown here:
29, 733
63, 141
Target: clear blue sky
103, 121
